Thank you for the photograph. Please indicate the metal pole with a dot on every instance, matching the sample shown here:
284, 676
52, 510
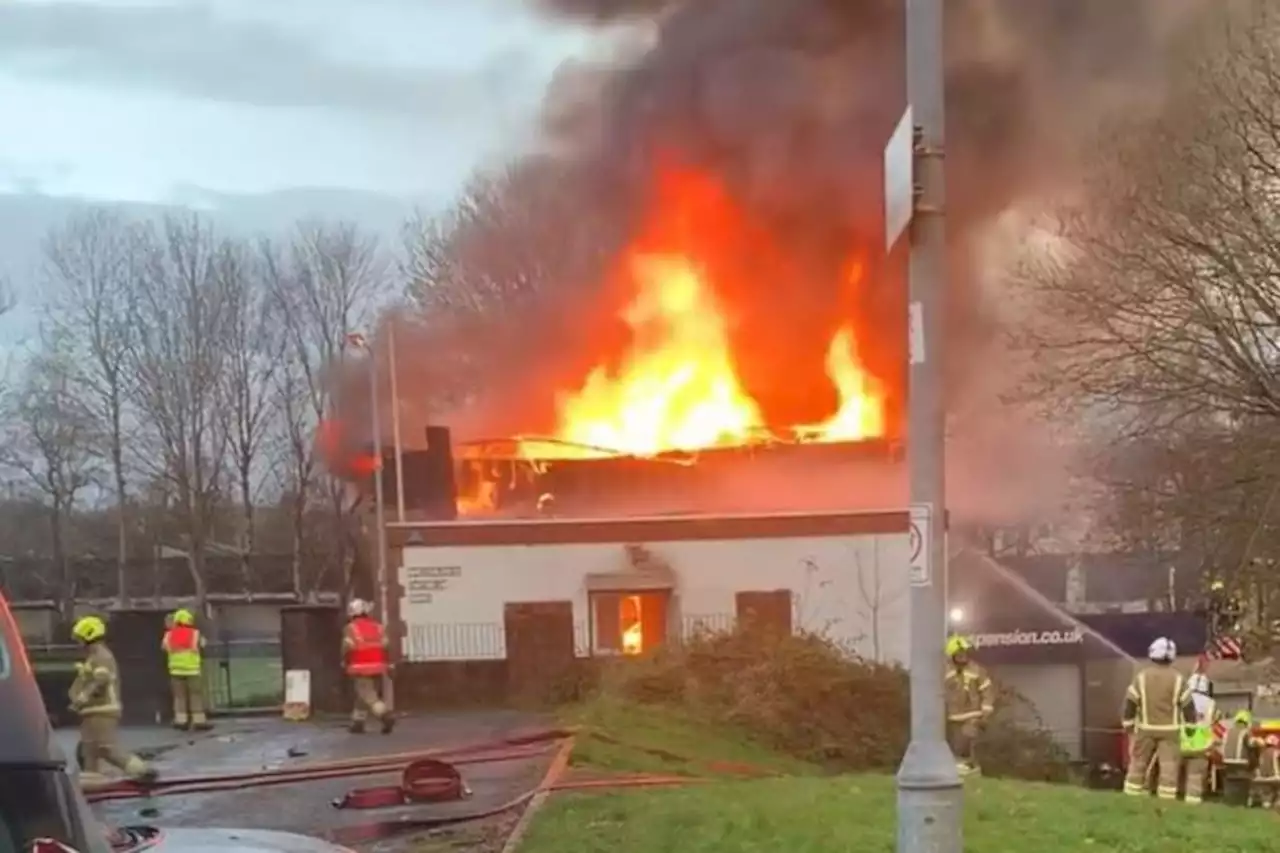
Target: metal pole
395, 420
380, 520
930, 794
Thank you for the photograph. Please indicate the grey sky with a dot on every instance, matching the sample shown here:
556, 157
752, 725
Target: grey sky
135, 99
260, 111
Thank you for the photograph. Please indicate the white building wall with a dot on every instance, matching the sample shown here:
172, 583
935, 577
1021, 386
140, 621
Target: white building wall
851, 588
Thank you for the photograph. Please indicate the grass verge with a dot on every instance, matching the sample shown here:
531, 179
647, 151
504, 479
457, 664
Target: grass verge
857, 812
622, 737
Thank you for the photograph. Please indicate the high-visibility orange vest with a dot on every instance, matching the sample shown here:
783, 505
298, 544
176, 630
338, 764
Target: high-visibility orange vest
368, 656
182, 642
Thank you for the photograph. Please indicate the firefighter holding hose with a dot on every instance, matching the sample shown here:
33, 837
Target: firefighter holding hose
364, 650
183, 645
970, 702
95, 696
1157, 706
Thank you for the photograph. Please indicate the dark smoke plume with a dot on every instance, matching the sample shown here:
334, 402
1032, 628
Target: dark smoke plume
791, 101
789, 104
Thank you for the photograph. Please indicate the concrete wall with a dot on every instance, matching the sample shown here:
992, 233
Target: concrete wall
850, 585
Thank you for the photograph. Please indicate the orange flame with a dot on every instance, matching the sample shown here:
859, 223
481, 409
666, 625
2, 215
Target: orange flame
631, 612
677, 387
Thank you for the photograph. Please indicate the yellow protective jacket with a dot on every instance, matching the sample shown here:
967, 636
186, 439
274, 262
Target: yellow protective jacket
96, 690
183, 646
969, 693
1158, 701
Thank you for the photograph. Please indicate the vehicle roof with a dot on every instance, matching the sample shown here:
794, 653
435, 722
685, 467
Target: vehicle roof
25, 734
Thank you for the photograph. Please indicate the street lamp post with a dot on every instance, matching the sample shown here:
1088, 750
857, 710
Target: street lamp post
380, 521
930, 793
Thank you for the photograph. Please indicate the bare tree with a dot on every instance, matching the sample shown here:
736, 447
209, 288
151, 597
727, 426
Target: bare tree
90, 267
52, 439
498, 267
327, 287
254, 345
874, 595
182, 319
1165, 304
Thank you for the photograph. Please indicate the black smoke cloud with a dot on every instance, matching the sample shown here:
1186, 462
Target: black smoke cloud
790, 103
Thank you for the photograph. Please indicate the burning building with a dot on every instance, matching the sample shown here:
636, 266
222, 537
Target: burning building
687, 404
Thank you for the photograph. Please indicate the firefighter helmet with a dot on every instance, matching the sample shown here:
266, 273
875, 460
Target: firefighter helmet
1244, 717
958, 645
89, 629
1162, 650
183, 616
358, 607
1198, 682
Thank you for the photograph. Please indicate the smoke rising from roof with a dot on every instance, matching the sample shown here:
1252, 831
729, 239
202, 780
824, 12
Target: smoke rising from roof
789, 104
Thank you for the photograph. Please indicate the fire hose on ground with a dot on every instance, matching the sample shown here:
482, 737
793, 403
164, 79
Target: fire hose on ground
426, 777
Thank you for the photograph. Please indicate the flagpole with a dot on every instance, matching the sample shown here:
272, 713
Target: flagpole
395, 420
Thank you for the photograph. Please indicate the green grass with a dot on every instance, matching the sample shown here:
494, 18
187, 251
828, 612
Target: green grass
835, 815
628, 738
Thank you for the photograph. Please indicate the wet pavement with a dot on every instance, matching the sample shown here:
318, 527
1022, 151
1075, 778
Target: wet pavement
270, 743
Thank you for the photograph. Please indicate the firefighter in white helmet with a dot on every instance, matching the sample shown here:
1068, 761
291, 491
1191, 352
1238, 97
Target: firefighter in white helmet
1157, 706
365, 656
1198, 741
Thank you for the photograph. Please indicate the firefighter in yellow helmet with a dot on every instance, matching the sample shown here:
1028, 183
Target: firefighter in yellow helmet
1197, 741
1156, 707
1239, 755
970, 702
95, 696
183, 645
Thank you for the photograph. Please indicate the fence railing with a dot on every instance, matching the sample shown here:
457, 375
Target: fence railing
238, 673
246, 673
488, 640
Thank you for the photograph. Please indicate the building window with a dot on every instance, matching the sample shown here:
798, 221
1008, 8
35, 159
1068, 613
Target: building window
628, 623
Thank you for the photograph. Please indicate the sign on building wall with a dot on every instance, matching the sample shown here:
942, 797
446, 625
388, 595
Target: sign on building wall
427, 585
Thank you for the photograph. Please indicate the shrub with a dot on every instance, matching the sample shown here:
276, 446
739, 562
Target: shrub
805, 696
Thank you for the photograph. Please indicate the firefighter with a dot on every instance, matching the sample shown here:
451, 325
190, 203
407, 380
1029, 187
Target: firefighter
1266, 781
1196, 740
183, 644
1156, 706
364, 650
95, 696
970, 702
1239, 752
1224, 610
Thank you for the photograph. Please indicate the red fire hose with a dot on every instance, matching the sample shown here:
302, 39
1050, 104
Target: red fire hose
426, 777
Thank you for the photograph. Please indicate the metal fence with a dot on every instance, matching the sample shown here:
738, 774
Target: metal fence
244, 673
238, 673
488, 640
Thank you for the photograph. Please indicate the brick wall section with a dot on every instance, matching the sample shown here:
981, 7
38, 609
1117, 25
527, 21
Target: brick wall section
451, 684
310, 639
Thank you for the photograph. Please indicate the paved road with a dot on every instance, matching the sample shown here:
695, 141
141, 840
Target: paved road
240, 745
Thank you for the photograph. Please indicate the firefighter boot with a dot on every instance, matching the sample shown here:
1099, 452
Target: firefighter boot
356, 727
388, 722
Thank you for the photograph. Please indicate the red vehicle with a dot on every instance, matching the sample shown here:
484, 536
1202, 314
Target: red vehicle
42, 808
